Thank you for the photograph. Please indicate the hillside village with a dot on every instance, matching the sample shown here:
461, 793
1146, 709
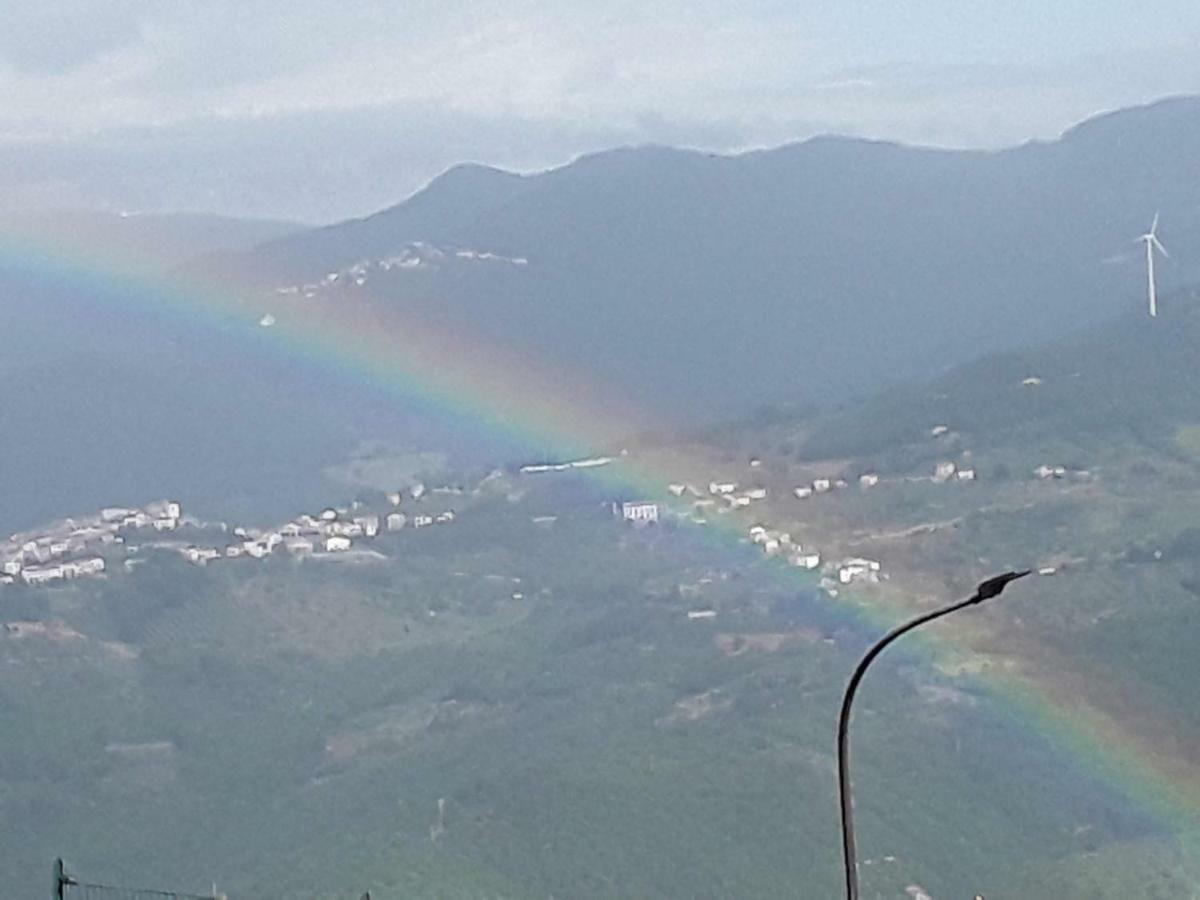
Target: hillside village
92, 545
411, 257
89, 546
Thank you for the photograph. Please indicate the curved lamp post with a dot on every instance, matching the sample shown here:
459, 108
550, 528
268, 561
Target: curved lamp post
986, 591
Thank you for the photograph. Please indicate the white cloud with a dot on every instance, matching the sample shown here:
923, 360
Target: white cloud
514, 82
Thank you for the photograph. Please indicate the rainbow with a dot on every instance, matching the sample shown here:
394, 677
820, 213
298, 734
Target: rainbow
515, 399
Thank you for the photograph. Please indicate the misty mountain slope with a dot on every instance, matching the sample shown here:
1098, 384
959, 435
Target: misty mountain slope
450, 201
1133, 378
703, 284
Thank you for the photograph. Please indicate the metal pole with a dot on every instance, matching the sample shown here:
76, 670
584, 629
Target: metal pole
988, 589
61, 880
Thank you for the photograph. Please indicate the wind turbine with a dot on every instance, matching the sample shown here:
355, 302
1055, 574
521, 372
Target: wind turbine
1150, 238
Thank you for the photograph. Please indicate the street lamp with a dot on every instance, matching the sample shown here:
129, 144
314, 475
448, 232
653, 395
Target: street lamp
986, 591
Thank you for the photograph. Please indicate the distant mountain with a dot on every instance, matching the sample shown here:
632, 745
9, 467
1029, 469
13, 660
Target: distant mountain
150, 240
701, 284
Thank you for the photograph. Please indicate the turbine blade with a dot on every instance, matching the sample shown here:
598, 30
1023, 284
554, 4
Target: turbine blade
1154, 224
1161, 248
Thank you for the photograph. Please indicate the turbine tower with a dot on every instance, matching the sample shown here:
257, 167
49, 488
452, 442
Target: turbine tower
1150, 239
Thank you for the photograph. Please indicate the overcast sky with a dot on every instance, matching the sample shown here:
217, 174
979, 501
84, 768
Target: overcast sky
317, 110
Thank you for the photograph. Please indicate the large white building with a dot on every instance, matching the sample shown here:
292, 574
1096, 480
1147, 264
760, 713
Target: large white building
638, 511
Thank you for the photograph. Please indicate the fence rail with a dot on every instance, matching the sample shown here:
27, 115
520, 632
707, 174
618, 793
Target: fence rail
67, 887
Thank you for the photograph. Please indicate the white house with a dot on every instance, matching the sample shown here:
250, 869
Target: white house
758, 493
369, 524
422, 521
802, 492
857, 568
848, 574
1032, 381
255, 549
807, 560
821, 485
939, 430
722, 487
395, 498
943, 471
868, 479
677, 488
337, 544
965, 474
395, 521
872, 565
92, 566
164, 509
35, 575
695, 614
298, 546
328, 515
11, 567
1044, 471
445, 518
638, 511
201, 555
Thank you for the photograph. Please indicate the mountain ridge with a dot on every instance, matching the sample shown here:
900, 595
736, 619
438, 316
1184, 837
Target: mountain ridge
825, 267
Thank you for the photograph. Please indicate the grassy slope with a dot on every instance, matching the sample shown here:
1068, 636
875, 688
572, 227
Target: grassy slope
316, 715
1116, 626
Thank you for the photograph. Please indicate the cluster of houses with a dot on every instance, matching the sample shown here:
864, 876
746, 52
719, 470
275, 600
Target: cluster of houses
825, 485
943, 472
847, 571
82, 547
416, 255
777, 543
332, 530
948, 471
77, 547
728, 494
780, 542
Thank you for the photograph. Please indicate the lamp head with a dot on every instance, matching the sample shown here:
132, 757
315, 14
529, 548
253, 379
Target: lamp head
995, 585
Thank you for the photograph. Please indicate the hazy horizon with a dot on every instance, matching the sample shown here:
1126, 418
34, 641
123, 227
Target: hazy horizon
311, 114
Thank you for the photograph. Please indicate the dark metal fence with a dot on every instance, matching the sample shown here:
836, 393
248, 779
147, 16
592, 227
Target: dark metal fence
67, 887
